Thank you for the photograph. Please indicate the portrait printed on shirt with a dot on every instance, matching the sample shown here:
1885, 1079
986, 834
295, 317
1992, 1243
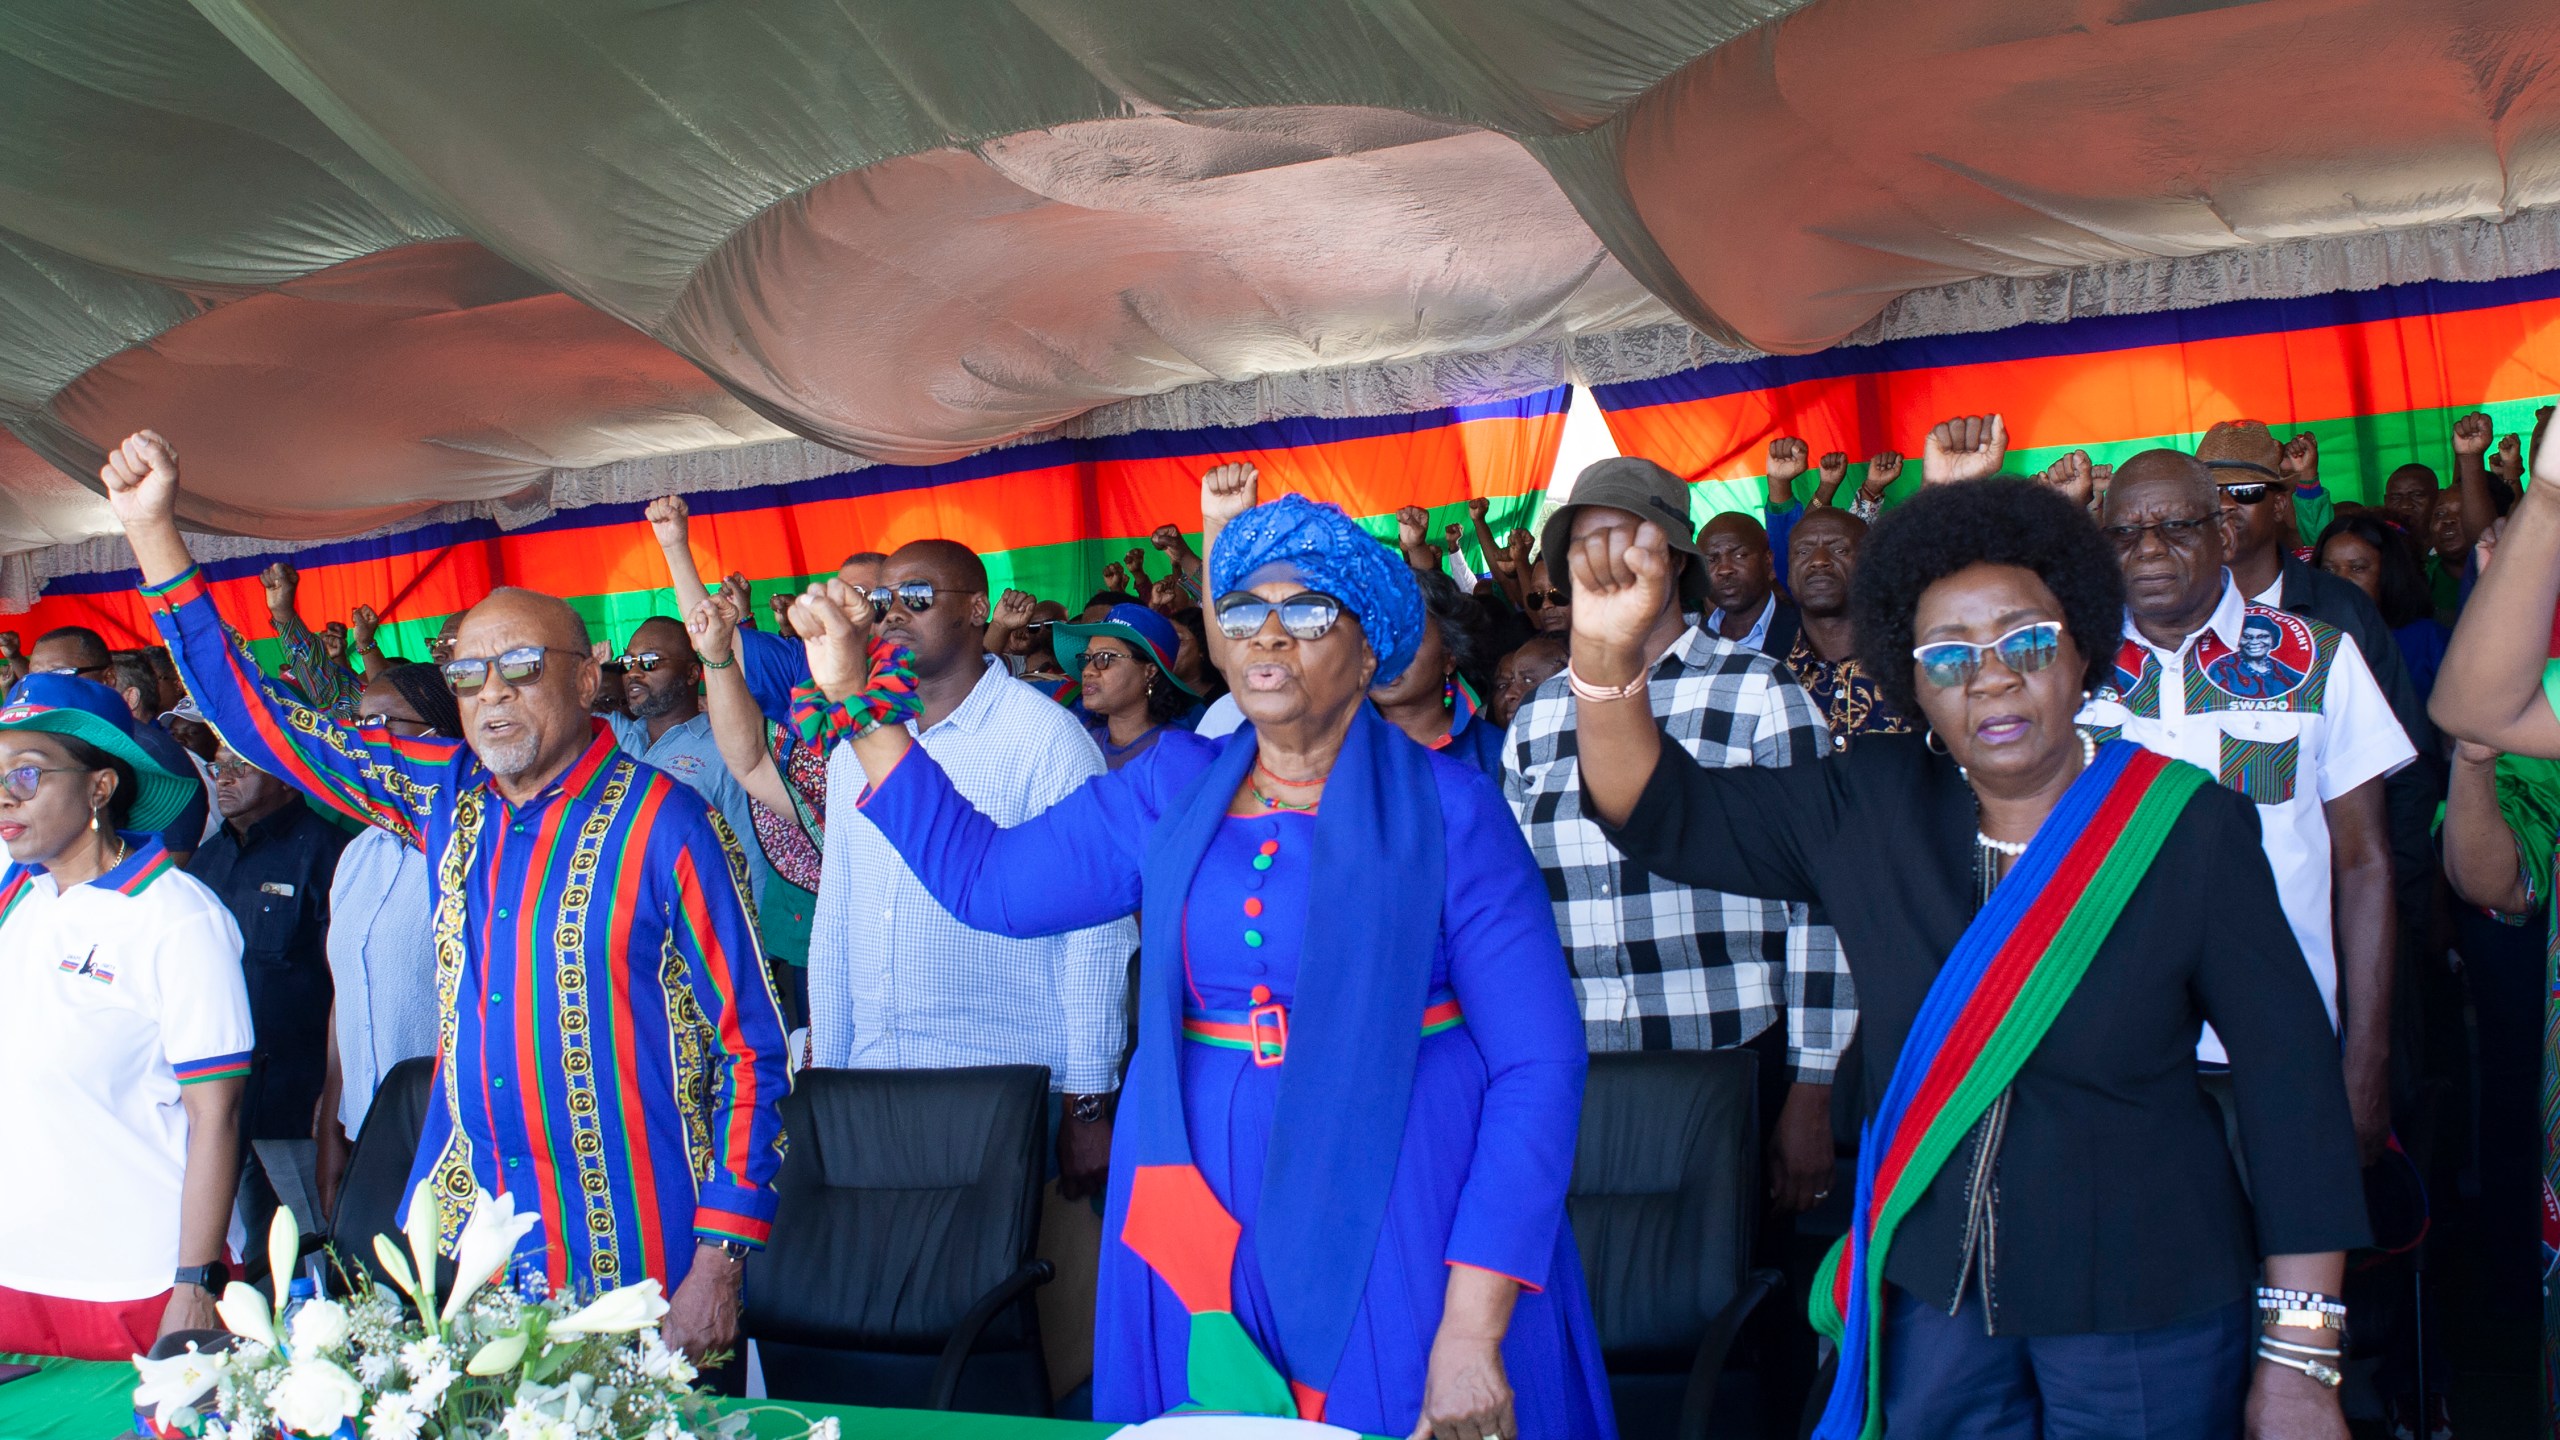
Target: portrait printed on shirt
2277, 673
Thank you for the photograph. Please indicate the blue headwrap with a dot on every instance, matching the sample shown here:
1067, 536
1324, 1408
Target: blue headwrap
1337, 557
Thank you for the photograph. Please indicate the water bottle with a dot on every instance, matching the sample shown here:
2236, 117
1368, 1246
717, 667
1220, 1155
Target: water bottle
302, 1293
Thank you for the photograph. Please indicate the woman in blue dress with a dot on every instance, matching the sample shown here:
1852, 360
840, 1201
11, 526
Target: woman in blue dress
1339, 1167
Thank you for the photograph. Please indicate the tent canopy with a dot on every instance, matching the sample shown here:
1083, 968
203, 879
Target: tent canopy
364, 261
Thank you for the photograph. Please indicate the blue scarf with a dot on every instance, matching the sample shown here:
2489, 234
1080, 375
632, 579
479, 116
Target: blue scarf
1338, 1122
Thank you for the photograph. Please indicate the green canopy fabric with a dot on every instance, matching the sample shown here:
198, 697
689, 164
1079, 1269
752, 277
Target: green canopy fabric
361, 261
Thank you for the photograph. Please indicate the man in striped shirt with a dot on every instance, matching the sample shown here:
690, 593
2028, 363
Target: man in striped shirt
609, 1050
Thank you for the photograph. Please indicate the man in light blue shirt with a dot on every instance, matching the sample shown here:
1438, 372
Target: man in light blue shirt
667, 728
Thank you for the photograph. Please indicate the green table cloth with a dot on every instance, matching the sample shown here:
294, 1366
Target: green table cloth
93, 1400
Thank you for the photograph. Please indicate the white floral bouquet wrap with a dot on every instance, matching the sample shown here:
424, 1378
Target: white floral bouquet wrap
488, 1363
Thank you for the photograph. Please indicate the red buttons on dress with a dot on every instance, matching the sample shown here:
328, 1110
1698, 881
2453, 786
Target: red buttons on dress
1270, 847
1253, 905
1261, 994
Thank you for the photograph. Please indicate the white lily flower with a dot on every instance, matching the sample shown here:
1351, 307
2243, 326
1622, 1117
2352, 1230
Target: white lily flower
314, 1396
489, 1237
396, 1265
617, 1312
426, 1226
244, 1313
175, 1384
498, 1356
284, 1247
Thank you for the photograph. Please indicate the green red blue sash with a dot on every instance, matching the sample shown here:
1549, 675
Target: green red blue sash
1985, 1013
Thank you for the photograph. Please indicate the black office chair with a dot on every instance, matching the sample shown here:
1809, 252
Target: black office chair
900, 1271
376, 1185
1666, 1191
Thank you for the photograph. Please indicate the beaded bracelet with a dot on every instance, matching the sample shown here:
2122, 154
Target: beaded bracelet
890, 698
710, 664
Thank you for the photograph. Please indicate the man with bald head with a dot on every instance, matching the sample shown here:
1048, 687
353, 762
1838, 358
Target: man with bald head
609, 1053
2281, 708
894, 980
1742, 586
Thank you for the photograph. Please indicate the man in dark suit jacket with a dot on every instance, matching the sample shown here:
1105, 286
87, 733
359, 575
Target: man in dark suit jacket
1742, 586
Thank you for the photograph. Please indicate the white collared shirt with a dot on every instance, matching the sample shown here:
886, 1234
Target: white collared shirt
2292, 726
113, 996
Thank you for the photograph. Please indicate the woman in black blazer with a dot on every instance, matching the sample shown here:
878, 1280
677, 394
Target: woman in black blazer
2081, 1262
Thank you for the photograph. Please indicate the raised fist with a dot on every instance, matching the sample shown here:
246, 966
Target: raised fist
141, 476
280, 580
1619, 585
1883, 468
2472, 433
363, 621
670, 520
1170, 541
1786, 459
1479, 507
1168, 596
1413, 526
1968, 447
1113, 577
1013, 610
1228, 491
2073, 476
1833, 468
2300, 462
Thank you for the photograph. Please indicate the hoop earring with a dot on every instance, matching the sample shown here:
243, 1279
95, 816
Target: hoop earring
1930, 742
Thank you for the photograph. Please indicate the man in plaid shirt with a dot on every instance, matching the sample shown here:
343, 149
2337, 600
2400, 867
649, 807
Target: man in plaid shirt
1660, 965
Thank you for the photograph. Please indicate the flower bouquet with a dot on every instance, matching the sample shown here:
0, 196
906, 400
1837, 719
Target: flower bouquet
490, 1362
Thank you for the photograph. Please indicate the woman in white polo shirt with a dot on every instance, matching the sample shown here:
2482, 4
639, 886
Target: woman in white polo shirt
124, 1039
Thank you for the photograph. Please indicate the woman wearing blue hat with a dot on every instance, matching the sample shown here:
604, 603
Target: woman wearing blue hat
1339, 1165
1125, 660
124, 1039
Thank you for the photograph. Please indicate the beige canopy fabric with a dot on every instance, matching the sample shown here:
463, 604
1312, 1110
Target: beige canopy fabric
363, 261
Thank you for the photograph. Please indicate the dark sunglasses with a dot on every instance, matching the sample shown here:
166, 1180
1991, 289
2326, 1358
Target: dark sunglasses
1541, 599
918, 596
2026, 650
645, 661
2176, 533
405, 729
1306, 615
2249, 494
23, 782
519, 667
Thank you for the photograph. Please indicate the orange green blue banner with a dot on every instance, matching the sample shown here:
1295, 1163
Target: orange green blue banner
2379, 375
1046, 517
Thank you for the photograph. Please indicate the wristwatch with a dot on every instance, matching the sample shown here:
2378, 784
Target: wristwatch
1087, 1109
209, 1278
736, 1250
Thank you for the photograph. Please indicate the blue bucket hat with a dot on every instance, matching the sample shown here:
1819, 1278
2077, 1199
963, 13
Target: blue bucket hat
89, 712
1337, 557
1150, 633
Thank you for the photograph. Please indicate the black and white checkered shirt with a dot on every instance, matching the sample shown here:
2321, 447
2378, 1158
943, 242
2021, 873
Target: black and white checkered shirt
1659, 965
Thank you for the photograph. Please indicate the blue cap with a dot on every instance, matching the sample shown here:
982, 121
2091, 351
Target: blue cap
1135, 624
64, 704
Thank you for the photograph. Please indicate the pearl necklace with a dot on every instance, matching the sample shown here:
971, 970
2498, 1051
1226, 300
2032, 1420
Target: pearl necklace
2012, 849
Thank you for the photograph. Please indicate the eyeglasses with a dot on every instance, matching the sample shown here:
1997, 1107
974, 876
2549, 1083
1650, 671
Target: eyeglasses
2178, 534
440, 649
401, 726
1101, 659
21, 783
646, 661
2026, 650
519, 667
1541, 599
2249, 494
107, 669
221, 768
918, 596
1306, 615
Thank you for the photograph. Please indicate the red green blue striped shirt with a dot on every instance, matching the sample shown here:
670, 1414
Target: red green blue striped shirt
610, 1051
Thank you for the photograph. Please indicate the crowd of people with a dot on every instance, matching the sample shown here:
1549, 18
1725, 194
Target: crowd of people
2065, 849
